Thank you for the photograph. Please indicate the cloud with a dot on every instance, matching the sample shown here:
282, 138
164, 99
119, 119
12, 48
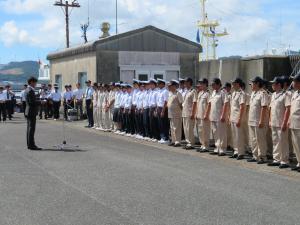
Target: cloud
10, 34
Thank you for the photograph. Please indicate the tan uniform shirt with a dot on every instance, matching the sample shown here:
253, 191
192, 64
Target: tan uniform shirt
202, 102
279, 102
105, 99
174, 105
217, 101
295, 111
95, 98
111, 98
188, 100
258, 100
237, 99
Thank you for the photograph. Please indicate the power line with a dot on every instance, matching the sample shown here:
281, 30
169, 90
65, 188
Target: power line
65, 7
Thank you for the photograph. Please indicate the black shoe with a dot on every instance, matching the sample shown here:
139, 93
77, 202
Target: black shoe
233, 156
252, 160
222, 154
274, 164
283, 166
34, 148
189, 148
240, 157
172, 144
297, 168
213, 153
261, 161
177, 145
203, 150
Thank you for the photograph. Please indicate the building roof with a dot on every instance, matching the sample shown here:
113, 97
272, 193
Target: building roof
115, 43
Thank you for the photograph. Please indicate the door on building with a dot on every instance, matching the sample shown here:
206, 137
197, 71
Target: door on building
58, 81
82, 78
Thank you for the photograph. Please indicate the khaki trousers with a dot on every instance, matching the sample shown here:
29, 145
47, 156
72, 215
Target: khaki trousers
110, 118
204, 132
229, 136
95, 116
176, 129
105, 120
219, 131
280, 145
188, 127
99, 117
238, 137
296, 143
258, 142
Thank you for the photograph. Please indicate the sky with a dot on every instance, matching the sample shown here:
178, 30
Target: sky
30, 29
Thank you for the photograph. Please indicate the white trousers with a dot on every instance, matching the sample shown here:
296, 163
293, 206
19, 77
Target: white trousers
105, 120
204, 132
219, 131
99, 117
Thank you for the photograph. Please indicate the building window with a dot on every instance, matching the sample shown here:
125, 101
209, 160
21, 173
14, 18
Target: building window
82, 78
143, 77
58, 81
158, 76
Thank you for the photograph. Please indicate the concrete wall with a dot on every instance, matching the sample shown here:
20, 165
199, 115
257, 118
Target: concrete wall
189, 65
69, 68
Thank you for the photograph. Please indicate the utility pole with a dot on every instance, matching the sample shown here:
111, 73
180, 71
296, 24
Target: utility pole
208, 29
116, 16
65, 6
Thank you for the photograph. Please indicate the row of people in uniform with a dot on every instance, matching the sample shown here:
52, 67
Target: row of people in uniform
7, 103
51, 99
260, 121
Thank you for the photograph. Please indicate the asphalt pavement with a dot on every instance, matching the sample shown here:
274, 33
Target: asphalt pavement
115, 180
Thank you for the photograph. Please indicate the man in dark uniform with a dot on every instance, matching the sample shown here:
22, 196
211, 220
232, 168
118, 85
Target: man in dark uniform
31, 112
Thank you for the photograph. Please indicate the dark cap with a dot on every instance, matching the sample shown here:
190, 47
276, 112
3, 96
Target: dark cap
189, 80
95, 84
257, 79
216, 81
277, 80
153, 81
203, 81
227, 85
237, 81
32, 79
173, 83
88, 82
286, 79
297, 78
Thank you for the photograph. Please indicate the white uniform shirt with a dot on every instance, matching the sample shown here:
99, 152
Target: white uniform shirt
237, 99
146, 99
217, 101
153, 98
105, 99
123, 99
258, 100
295, 111
100, 99
183, 92
2, 97
202, 102
128, 101
139, 99
78, 94
162, 97
23, 96
9, 95
279, 102
89, 93
117, 99
55, 96
135, 93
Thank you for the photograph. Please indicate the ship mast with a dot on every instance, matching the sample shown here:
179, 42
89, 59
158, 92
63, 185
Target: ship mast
209, 34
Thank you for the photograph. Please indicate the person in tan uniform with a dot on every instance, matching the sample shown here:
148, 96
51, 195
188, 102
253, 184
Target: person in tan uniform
227, 88
245, 120
105, 109
111, 103
202, 124
188, 114
294, 122
237, 114
175, 113
258, 121
217, 113
95, 106
279, 116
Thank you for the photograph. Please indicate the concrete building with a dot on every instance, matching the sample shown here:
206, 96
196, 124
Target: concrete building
142, 54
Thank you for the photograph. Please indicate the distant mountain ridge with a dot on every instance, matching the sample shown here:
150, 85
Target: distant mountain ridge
18, 72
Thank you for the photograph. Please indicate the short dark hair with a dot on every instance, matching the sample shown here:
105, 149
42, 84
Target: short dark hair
32, 80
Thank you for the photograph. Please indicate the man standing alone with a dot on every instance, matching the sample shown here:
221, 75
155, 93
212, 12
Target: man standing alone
31, 112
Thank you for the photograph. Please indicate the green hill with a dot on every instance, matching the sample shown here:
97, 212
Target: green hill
19, 72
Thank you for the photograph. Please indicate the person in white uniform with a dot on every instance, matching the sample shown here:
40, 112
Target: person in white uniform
2, 104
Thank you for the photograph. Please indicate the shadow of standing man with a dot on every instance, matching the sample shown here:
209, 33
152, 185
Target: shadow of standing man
31, 112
